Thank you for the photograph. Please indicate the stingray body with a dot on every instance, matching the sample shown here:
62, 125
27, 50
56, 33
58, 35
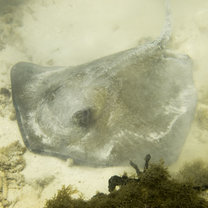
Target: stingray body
110, 110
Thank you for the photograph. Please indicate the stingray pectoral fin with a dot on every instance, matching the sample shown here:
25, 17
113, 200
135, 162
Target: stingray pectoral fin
23, 73
26, 91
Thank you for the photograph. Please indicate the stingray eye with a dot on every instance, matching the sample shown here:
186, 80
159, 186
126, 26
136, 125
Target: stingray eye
83, 117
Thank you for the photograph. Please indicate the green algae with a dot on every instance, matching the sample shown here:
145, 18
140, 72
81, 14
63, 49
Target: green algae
195, 172
155, 189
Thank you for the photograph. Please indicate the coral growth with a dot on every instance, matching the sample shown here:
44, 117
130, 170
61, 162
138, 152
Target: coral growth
11, 158
5, 102
155, 189
11, 164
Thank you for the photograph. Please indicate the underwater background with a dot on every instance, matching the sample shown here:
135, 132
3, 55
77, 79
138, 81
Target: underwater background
71, 32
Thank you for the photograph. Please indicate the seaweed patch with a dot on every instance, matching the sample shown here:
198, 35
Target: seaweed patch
152, 188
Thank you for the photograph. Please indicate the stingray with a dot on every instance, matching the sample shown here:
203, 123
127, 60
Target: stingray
105, 112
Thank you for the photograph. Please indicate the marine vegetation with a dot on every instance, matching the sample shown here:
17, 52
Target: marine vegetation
195, 172
153, 188
11, 165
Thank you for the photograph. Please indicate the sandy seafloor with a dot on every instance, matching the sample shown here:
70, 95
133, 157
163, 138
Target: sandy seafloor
71, 32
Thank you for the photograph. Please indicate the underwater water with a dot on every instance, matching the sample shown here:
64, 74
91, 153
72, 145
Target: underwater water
70, 32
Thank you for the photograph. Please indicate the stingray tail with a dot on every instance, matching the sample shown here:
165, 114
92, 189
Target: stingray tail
167, 29
147, 48
162, 40
159, 42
